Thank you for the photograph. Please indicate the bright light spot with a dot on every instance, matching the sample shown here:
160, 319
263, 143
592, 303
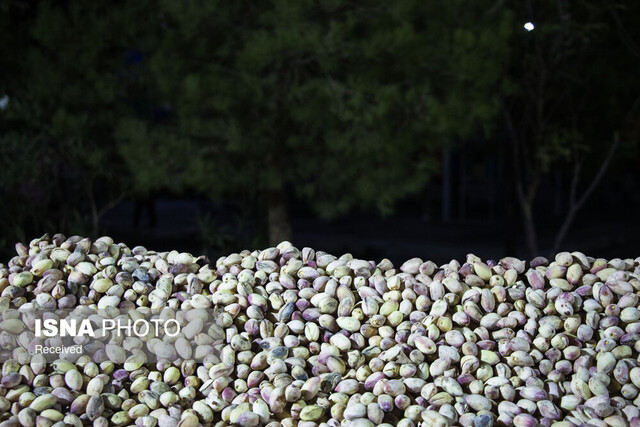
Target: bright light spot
4, 101
529, 26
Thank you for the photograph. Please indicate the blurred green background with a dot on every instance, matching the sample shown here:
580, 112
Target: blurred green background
386, 129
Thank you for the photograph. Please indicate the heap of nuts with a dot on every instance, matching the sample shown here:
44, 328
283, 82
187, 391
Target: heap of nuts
305, 338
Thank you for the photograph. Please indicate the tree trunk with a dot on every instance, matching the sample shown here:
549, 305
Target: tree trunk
576, 205
530, 230
95, 217
510, 212
446, 185
278, 224
564, 229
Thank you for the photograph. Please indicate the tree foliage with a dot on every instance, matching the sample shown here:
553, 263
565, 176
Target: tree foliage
337, 105
574, 101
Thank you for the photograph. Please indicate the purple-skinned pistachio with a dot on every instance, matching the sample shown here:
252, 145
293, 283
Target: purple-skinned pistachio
79, 404
465, 379
564, 259
425, 345
421, 401
471, 309
120, 374
239, 399
460, 318
605, 296
368, 292
228, 394
519, 317
591, 305
465, 269
402, 401
417, 316
421, 289
631, 412
472, 295
414, 385
265, 393
612, 310
380, 285
477, 402
509, 408
555, 272
613, 333
525, 420
633, 328
598, 265
386, 403
248, 419
539, 261
320, 282
254, 379
574, 274
308, 254
311, 388
374, 378
311, 314
507, 323
411, 266
500, 272
486, 344
400, 337
254, 395
621, 372
349, 386
618, 275
601, 405
629, 315
65, 396
487, 300
439, 276
584, 361
584, 291
606, 362
277, 400
584, 333
515, 263
11, 380
427, 268
285, 312
629, 339
303, 283
533, 393
554, 391
524, 335
620, 287
546, 368
564, 367
571, 352
618, 402
319, 370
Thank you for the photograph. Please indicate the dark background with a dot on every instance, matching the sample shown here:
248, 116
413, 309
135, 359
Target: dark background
384, 129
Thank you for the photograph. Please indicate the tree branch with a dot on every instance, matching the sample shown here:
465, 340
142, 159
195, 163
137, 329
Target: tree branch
533, 188
603, 168
112, 204
574, 183
498, 4
574, 205
623, 34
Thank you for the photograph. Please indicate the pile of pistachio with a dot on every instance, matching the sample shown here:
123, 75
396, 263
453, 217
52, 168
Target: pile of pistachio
310, 339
